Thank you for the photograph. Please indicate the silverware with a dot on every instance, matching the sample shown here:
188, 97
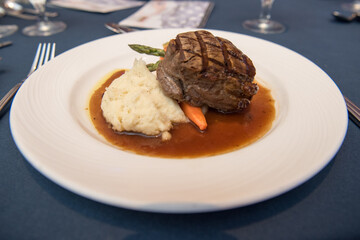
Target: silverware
5, 44
117, 28
44, 53
345, 18
17, 14
354, 111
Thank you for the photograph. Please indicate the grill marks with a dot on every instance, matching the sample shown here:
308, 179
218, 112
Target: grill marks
200, 56
201, 53
208, 45
210, 71
179, 47
225, 53
204, 54
235, 59
214, 52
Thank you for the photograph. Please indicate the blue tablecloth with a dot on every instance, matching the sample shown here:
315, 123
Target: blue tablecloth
325, 207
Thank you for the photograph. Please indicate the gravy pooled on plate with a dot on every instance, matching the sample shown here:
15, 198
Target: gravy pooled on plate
225, 132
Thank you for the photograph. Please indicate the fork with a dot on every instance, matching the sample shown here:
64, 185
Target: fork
44, 53
353, 110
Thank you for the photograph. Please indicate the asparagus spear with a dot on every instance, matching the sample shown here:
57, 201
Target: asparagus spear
152, 66
147, 50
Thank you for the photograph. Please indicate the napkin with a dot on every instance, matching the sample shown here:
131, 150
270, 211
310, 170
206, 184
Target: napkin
101, 6
170, 14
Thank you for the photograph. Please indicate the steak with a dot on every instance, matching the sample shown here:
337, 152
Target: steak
202, 69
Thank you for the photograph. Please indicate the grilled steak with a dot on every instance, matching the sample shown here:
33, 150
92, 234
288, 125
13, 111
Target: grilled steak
202, 69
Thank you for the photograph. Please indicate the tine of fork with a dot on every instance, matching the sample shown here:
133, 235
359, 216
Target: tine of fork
47, 53
43, 52
53, 51
42, 56
36, 59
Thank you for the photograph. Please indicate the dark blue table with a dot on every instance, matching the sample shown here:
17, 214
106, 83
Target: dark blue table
325, 207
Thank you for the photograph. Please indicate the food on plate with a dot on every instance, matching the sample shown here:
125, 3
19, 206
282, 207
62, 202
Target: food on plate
202, 69
150, 51
199, 77
147, 50
135, 102
195, 114
225, 132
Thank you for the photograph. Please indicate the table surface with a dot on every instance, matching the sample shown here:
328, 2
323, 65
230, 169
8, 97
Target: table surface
325, 207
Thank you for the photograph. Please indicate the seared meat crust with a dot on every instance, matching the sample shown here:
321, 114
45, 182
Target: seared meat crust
202, 69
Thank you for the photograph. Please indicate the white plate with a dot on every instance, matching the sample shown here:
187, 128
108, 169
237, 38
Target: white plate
52, 130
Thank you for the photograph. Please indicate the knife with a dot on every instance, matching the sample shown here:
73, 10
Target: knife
118, 28
5, 44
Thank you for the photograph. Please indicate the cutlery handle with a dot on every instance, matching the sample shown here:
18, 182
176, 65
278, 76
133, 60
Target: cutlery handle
33, 11
22, 16
354, 111
9, 96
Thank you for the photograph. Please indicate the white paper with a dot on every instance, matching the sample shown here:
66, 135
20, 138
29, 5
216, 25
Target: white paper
102, 6
170, 14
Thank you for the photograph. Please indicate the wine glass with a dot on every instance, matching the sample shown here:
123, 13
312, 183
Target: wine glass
352, 6
43, 27
263, 24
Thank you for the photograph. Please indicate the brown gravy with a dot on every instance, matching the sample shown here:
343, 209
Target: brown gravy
225, 132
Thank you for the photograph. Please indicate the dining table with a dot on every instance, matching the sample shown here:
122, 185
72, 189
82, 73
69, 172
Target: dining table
325, 206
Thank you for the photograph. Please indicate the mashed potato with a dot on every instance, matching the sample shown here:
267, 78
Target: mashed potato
135, 102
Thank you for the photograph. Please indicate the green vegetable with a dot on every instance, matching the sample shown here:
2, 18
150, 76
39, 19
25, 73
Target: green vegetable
153, 66
147, 50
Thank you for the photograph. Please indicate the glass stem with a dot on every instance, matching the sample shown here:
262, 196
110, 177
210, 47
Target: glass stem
266, 9
43, 16
41, 11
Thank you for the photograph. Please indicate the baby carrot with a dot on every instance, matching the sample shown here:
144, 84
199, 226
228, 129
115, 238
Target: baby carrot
194, 114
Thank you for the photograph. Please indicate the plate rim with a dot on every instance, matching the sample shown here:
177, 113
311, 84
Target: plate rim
180, 208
